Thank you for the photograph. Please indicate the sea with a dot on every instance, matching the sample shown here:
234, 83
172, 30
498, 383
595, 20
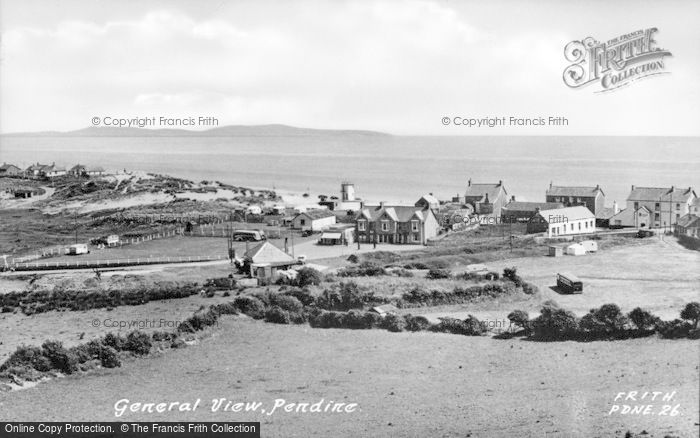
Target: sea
384, 168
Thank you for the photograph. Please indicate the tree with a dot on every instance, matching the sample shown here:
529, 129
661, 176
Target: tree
691, 312
521, 319
642, 319
308, 276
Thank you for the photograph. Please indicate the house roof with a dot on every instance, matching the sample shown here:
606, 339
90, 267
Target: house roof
481, 190
578, 191
37, 166
532, 206
94, 169
661, 194
689, 221
385, 308
317, 214
77, 167
570, 213
398, 213
6, 166
266, 252
430, 199
606, 213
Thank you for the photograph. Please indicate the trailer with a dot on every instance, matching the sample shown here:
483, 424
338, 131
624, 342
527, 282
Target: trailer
569, 283
77, 249
249, 235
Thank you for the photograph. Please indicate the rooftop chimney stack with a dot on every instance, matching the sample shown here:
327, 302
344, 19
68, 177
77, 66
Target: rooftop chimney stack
469, 183
500, 182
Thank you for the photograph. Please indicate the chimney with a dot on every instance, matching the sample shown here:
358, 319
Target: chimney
537, 210
500, 182
512, 198
550, 184
431, 193
597, 186
616, 208
469, 183
382, 204
632, 186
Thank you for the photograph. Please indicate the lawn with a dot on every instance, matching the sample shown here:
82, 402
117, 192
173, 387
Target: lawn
404, 384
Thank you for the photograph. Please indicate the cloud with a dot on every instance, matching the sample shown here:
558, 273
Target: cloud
388, 65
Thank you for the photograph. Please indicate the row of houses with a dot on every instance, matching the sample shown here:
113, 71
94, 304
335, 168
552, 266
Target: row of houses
40, 171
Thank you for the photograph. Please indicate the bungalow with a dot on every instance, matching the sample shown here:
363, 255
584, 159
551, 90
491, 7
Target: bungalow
516, 211
314, 220
563, 222
94, 170
264, 261
396, 224
53, 171
10, 170
77, 170
592, 198
35, 170
487, 199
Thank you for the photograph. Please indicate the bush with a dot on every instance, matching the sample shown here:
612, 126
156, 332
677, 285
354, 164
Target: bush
308, 276
138, 342
277, 315
405, 273
469, 327
675, 329
529, 288
520, 318
691, 312
643, 320
226, 308
287, 303
353, 258
303, 295
474, 327
25, 356
344, 296
416, 323
606, 321
199, 321
512, 275
115, 341
436, 274
61, 359
109, 358
358, 319
393, 322
327, 319
555, 324
364, 269
416, 265
250, 306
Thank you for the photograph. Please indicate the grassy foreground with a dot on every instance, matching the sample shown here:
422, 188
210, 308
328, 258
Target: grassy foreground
406, 384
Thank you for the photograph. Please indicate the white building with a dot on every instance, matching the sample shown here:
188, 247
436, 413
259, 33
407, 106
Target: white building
314, 220
563, 222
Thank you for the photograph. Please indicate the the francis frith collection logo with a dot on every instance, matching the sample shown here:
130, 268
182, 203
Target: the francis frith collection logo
614, 63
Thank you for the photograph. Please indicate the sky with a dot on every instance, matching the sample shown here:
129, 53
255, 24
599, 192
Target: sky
391, 66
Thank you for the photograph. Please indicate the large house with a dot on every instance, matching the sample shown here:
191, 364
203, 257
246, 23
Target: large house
516, 211
10, 170
396, 224
487, 199
666, 204
563, 221
592, 198
314, 220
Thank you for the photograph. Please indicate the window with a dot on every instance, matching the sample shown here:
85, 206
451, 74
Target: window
572, 227
362, 225
678, 216
302, 222
657, 206
385, 225
656, 217
579, 226
678, 206
415, 237
414, 225
636, 205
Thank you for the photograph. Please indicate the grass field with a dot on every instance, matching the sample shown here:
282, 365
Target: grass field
405, 384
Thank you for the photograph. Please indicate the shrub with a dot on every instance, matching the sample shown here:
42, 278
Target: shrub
226, 308
327, 319
520, 318
26, 356
353, 258
358, 319
555, 324
277, 315
115, 341
529, 288
512, 275
416, 265
691, 312
109, 358
160, 336
303, 295
199, 321
436, 274
393, 322
61, 359
642, 319
674, 329
416, 323
469, 327
287, 303
308, 276
344, 296
251, 306
474, 327
138, 342
606, 321
405, 273
364, 269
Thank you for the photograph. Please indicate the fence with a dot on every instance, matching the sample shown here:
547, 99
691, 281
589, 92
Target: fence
86, 264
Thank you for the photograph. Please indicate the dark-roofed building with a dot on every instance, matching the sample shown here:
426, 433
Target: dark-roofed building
428, 201
688, 225
10, 170
563, 221
35, 170
396, 224
516, 211
314, 220
592, 198
486, 198
666, 204
77, 170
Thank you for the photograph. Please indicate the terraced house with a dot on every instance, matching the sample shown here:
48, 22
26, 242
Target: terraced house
396, 224
592, 198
